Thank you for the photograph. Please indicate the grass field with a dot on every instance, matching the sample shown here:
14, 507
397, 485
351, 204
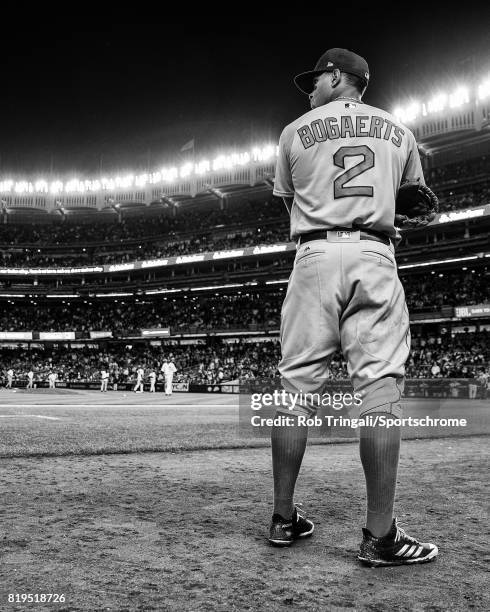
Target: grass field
141, 502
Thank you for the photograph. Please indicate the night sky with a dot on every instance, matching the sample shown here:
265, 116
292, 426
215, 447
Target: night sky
131, 95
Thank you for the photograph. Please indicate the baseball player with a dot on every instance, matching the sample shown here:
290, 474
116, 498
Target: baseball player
339, 170
10, 378
104, 379
168, 368
472, 387
153, 377
116, 377
52, 376
30, 380
140, 373
483, 383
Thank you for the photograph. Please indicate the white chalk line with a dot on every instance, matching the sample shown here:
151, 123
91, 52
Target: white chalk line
95, 406
26, 416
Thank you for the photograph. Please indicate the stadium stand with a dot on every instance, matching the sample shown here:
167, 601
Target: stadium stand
461, 355
425, 291
218, 315
453, 173
72, 244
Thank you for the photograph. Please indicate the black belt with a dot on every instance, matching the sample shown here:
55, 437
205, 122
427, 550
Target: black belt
364, 235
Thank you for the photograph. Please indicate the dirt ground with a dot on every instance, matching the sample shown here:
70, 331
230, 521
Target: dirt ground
186, 531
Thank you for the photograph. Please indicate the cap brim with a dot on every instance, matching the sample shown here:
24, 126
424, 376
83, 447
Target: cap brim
305, 81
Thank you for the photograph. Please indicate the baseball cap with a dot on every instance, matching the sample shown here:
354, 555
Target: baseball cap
343, 59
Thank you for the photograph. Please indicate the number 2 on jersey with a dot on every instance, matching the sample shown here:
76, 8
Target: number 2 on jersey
339, 189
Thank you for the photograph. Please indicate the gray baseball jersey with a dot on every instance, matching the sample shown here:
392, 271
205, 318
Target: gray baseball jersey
343, 163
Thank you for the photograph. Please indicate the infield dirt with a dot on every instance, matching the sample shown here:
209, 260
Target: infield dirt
186, 531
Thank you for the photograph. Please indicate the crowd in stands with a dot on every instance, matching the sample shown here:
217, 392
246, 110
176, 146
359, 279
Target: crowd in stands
459, 171
463, 355
207, 364
444, 356
147, 237
431, 291
221, 311
29, 257
140, 227
469, 199
203, 312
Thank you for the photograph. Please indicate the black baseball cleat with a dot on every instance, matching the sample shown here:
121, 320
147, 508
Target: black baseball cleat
283, 532
395, 548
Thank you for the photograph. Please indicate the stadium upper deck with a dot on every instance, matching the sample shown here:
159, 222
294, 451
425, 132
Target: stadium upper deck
449, 125
212, 226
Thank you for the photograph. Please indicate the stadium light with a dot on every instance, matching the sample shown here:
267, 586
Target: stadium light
141, 179
23, 187
169, 174
6, 186
408, 113
437, 104
185, 170
441, 101
258, 154
459, 97
41, 186
56, 187
484, 89
203, 167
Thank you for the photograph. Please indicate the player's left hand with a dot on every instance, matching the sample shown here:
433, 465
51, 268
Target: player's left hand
416, 205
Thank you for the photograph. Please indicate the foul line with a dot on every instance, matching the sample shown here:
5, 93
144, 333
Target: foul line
37, 416
74, 406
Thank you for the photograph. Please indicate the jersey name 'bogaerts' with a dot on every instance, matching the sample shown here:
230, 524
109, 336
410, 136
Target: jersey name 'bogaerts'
367, 126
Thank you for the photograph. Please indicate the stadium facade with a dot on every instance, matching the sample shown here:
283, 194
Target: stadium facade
209, 235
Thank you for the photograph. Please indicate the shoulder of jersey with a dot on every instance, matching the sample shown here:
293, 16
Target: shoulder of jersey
323, 111
390, 117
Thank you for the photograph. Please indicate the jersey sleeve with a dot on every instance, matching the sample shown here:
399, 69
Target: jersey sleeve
413, 166
283, 181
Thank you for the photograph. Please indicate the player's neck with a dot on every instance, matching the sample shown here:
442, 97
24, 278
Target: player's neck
348, 94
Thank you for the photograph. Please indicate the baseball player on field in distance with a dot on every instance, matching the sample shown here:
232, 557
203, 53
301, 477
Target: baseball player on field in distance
52, 376
30, 380
104, 379
10, 378
339, 170
152, 377
138, 388
116, 375
168, 368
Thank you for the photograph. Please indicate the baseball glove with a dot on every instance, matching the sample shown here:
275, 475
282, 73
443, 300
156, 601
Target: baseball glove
416, 205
